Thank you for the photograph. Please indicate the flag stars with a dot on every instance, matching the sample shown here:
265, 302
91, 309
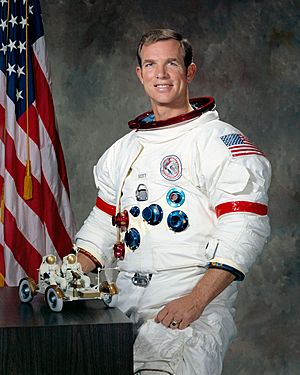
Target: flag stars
4, 48
21, 46
19, 94
11, 45
20, 71
3, 2
11, 69
30, 9
3, 24
13, 21
23, 22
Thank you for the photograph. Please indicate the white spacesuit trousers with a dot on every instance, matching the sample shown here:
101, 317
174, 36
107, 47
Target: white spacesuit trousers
197, 350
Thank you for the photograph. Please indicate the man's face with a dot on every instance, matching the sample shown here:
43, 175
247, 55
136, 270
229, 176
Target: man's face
163, 73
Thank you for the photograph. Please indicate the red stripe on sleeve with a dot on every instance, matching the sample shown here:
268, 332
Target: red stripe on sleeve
105, 207
241, 206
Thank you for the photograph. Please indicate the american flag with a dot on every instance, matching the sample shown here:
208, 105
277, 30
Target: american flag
239, 145
41, 224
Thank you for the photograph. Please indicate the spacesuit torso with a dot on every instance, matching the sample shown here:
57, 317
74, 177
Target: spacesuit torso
196, 195
169, 212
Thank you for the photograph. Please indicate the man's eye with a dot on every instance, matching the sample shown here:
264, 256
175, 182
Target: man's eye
174, 63
148, 65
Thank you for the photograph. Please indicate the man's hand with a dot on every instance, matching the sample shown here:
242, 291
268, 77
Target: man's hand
183, 310
86, 263
187, 309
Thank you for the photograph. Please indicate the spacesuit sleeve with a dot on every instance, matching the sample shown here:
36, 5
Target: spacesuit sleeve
237, 185
97, 235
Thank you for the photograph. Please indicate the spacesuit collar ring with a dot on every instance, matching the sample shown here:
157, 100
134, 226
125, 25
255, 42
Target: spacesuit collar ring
147, 121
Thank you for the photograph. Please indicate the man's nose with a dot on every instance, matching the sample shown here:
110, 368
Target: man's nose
161, 72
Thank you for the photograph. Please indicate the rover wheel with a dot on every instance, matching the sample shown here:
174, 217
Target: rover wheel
107, 298
54, 298
27, 289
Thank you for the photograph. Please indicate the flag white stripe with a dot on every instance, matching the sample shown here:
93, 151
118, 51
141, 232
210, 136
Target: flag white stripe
40, 52
27, 221
243, 147
16, 272
2, 155
1, 234
2, 92
20, 138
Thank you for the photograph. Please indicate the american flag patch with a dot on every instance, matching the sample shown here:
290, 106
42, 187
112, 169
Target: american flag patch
239, 145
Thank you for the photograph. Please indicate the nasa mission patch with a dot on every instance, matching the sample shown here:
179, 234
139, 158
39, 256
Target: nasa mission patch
171, 168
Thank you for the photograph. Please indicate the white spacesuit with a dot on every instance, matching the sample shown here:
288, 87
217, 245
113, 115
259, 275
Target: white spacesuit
195, 193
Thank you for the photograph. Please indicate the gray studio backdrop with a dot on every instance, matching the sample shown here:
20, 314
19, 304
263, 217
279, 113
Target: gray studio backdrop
248, 57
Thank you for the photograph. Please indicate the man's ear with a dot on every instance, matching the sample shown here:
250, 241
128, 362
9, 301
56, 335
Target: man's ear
191, 72
139, 73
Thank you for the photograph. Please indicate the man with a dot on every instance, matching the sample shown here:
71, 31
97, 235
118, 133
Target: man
188, 196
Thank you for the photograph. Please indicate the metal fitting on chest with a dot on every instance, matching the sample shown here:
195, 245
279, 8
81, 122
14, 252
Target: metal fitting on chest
141, 280
121, 220
153, 214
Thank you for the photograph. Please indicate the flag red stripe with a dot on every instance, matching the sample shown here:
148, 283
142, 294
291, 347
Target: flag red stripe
33, 124
244, 149
45, 208
45, 108
248, 153
55, 227
247, 147
24, 253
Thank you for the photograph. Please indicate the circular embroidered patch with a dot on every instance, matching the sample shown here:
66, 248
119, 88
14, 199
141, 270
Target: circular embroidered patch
171, 168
